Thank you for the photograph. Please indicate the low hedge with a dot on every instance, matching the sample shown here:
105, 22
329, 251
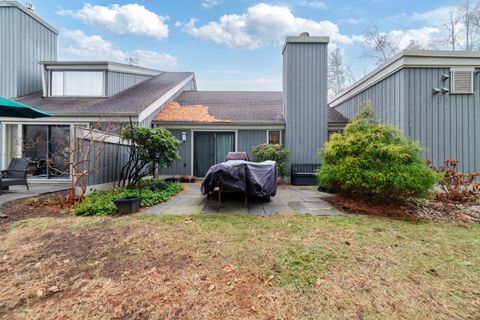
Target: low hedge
101, 203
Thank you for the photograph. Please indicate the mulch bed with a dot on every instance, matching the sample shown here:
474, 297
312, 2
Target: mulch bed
50, 205
415, 209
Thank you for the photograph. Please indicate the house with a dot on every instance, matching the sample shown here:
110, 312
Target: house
431, 96
101, 94
85, 94
213, 123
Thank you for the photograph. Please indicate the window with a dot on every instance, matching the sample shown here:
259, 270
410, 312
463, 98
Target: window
77, 83
274, 137
461, 81
47, 149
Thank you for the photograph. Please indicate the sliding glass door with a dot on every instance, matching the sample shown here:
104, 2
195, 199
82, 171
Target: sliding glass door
48, 150
209, 149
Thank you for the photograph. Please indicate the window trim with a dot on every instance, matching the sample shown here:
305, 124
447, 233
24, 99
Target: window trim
268, 134
50, 83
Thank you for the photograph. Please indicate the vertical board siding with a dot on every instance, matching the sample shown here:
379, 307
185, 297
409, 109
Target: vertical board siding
387, 97
446, 125
183, 166
8, 59
23, 43
247, 139
112, 158
119, 81
305, 100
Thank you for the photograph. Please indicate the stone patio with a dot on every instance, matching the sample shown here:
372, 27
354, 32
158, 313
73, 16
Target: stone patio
289, 200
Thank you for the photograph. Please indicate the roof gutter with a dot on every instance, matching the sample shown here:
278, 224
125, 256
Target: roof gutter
219, 125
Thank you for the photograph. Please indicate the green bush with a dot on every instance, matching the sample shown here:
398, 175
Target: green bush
374, 160
274, 152
150, 148
101, 203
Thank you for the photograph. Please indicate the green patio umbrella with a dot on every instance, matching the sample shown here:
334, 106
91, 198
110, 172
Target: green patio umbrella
13, 109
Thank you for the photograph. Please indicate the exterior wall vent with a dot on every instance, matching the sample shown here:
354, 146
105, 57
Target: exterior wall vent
30, 6
461, 81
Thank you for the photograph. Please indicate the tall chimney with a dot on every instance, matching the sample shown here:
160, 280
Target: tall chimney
305, 96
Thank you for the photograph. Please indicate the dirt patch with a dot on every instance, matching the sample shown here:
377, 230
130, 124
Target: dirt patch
50, 205
238, 267
416, 209
122, 272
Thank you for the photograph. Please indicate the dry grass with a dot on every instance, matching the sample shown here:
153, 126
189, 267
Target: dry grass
239, 267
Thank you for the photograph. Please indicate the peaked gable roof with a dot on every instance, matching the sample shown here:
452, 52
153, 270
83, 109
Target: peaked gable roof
230, 106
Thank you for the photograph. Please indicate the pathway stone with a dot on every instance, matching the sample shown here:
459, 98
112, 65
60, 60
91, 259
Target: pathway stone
289, 200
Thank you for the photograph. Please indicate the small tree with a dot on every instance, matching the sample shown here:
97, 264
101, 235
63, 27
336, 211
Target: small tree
150, 148
274, 152
374, 160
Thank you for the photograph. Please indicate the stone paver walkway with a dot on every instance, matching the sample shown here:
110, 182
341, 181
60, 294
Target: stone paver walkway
289, 199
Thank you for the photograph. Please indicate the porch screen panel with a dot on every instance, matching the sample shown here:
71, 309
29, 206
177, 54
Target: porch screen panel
225, 143
59, 151
35, 149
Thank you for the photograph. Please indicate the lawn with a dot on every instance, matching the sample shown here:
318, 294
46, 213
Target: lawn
232, 267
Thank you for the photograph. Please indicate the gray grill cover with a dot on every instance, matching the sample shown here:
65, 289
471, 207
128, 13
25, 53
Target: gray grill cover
257, 180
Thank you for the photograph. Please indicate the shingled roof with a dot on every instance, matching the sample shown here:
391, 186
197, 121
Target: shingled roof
230, 106
130, 101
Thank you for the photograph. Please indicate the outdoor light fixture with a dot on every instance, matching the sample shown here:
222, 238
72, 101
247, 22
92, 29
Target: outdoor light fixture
436, 90
445, 76
184, 136
445, 90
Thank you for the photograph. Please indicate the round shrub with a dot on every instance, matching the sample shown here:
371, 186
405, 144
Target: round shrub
274, 152
374, 160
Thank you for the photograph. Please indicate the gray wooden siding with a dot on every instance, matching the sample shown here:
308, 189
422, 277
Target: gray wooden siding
147, 122
182, 167
446, 125
247, 139
387, 97
23, 43
305, 100
111, 160
119, 81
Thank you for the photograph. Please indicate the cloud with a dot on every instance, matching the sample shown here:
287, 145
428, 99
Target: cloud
352, 21
402, 38
262, 25
122, 19
313, 4
435, 17
207, 4
94, 47
425, 36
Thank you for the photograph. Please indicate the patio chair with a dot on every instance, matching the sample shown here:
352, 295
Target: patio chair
15, 175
